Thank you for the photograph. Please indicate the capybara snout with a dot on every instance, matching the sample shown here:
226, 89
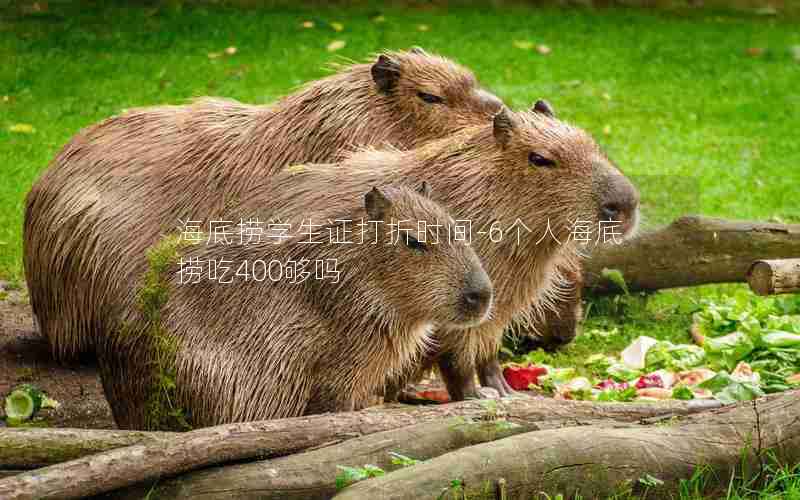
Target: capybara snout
619, 203
476, 298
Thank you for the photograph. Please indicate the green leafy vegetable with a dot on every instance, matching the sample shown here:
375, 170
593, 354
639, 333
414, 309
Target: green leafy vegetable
621, 373
780, 339
682, 392
619, 395
727, 390
726, 351
666, 355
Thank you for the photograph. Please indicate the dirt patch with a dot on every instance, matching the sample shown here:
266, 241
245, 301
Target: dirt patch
24, 357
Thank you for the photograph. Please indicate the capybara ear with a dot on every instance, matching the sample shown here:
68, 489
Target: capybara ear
503, 126
377, 204
416, 49
543, 107
425, 189
385, 72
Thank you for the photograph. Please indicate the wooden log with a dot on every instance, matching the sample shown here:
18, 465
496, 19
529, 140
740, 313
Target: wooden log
30, 448
692, 250
598, 462
129, 465
312, 475
772, 277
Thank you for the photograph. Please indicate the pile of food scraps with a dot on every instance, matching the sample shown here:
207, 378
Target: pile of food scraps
746, 347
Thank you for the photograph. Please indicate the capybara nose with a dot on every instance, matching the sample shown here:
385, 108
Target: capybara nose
477, 294
620, 203
610, 211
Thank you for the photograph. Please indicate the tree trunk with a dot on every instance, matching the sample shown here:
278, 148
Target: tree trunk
226, 443
770, 277
597, 462
690, 251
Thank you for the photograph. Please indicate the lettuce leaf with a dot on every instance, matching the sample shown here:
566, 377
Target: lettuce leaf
666, 355
727, 390
726, 351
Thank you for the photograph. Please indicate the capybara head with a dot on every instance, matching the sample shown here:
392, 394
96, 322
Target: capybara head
579, 193
435, 93
421, 271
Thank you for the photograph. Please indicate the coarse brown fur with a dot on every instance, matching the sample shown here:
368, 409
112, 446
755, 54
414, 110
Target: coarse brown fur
484, 175
250, 350
118, 185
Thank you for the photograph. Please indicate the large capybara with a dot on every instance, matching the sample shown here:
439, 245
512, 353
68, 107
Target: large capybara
118, 185
258, 343
526, 177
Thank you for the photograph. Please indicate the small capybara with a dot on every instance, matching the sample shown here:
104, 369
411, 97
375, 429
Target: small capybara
117, 186
240, 348
525, 184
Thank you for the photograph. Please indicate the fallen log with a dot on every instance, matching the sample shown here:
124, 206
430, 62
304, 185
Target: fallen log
692, 250
597, 462
129, 465
31, 448
772, 277
312, 475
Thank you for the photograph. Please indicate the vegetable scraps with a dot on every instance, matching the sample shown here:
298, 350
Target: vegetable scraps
25, 401
751, 348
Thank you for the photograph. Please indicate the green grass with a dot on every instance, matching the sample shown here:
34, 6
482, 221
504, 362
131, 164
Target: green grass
699, 125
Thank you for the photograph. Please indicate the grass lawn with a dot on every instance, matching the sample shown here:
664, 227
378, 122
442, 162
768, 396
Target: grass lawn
700, 124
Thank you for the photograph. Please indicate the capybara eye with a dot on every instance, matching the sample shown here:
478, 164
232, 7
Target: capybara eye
415, 244
430, 98
538, 160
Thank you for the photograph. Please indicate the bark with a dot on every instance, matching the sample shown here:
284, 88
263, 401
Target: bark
770, 277
692, 250
312, 475
30, 448
597, 462
129, 465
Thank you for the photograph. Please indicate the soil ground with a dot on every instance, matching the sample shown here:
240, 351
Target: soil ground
25, 358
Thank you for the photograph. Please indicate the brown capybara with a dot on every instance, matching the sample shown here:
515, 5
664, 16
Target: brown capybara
258, 343
528, 175
118, 185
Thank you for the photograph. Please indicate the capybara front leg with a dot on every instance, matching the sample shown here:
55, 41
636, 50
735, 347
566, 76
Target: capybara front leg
491, 375
460, 380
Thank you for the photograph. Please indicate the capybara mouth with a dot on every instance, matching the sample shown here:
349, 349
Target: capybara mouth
473, 314
617, 225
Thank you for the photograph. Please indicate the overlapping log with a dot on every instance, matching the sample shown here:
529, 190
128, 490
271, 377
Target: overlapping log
597, 462
129, 465
772, 277
692, 250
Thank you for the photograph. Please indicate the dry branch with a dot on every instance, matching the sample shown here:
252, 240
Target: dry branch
769, 277
597, 461
215, 445
691, 251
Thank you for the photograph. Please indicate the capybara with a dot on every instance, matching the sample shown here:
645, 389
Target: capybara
118, 185
527, 177
241, 348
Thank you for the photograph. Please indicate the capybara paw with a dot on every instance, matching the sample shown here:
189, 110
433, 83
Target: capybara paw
488, 393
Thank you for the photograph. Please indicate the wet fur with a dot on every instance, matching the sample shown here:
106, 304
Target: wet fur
482, 180
261, 350
117, 186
